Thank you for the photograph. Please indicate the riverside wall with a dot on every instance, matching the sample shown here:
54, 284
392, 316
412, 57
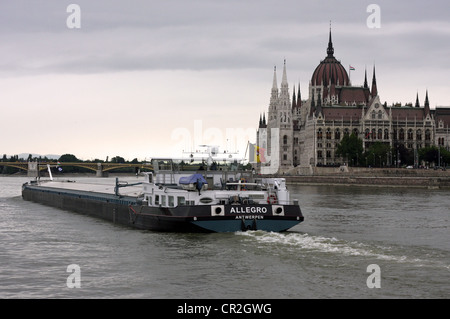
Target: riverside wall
428, 178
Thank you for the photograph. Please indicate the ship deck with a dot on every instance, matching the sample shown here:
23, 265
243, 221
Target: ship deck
131, 191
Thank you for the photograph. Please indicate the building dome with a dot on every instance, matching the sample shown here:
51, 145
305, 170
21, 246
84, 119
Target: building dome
330, 69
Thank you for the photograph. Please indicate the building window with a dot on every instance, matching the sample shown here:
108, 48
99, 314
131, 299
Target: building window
337, 134
380, 134
410, 134
401, 135
319, 154
319, 134
427, 135
285, 157
285, 139
328, 134
386, 134
419, 135
380, 115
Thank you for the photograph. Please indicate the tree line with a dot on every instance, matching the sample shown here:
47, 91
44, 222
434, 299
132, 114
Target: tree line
66, 158
383, 155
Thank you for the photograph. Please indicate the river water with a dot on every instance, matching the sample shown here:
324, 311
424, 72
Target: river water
355, 242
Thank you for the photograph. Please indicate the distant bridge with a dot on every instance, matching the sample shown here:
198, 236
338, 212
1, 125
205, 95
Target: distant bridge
33, 167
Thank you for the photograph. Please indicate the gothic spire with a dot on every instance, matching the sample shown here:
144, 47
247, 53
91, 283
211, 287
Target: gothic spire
374, 90
284, 79
294, 100
366, 86
299, 97
275, 85
330, 49
427, 104
417, 100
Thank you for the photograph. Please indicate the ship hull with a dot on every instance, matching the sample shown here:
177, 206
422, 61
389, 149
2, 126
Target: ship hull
126, 210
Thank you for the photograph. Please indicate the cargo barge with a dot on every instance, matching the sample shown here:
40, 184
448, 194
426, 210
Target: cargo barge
173, 200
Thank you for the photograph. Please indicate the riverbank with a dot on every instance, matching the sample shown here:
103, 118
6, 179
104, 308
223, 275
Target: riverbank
374, 177
378, 177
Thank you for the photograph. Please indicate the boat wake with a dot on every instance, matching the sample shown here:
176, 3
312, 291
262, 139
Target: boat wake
328, 245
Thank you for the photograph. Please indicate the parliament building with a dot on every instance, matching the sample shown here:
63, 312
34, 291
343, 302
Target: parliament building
305, 133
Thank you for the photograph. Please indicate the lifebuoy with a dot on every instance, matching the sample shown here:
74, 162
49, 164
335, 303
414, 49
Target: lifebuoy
271, 199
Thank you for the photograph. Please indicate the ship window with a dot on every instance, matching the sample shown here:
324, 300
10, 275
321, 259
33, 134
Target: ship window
171, 201
181, 200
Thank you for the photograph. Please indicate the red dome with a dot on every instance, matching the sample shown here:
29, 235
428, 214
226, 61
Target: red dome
330, 69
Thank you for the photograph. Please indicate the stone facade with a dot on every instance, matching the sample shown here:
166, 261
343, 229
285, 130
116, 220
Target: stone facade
305, 133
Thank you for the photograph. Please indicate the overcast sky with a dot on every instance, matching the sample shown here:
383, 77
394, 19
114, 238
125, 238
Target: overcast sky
142, 79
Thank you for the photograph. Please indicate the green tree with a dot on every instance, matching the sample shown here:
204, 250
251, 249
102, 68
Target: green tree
431, 155
117, 159
377, 154
68, 158
351, 148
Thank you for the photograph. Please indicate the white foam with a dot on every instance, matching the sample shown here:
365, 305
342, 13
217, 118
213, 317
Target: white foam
322, 244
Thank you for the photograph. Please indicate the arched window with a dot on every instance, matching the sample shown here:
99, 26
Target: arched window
419, 135
337, 134
380, 134
386, 134
328, 134
410, 134
401, 135
427, 135
319, 134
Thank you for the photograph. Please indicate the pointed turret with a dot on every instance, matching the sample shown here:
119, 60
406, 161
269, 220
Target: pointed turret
294, 99
374, 90
274, 82
417, 100
272, 115
366, 85
299, 97
284, 98
330, 49
427, 104
284, 82
313, 103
